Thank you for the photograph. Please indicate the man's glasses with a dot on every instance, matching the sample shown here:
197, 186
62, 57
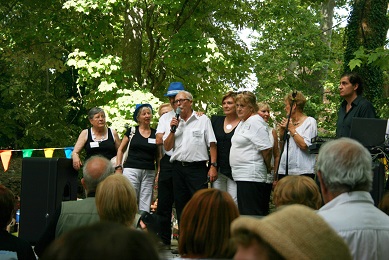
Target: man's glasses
180, 100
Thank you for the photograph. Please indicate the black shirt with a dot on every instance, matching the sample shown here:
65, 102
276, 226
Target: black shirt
360, 107
104, 148
142, 152
223, 145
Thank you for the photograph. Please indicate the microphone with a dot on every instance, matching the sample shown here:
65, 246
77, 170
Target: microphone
178, 112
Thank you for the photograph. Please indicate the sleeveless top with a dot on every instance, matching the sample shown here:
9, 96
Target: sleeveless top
104, 148
142, 152
223, 145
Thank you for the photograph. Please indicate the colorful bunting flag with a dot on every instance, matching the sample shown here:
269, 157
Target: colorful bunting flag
68, 152
7, 154
6, 158
27, 153
49, 152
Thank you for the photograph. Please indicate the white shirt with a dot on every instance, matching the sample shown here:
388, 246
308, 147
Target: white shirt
364, 227
250, 138
300, 162
164, 127
192, 139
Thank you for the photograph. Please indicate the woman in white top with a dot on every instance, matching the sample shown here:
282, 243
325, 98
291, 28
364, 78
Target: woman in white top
301, 130
250, 157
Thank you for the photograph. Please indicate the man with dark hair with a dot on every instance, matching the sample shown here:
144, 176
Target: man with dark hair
72, 214
353, 105
11, 247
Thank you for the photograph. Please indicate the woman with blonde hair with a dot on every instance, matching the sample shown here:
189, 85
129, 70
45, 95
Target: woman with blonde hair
301, 129
297, 190
116, 200
205, 225
250, 157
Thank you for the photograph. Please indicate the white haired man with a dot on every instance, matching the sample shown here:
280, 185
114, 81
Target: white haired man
344, 169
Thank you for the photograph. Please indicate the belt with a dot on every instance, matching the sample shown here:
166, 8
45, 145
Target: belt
186, 164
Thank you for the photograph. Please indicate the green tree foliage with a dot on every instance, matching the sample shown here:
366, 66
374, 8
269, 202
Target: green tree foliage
60, 58
290, 54
365, 39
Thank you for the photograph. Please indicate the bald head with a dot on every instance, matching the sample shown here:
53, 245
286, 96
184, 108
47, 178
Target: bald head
95, 170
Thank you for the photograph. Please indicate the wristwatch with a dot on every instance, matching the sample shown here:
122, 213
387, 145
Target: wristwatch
118, 167
214, 164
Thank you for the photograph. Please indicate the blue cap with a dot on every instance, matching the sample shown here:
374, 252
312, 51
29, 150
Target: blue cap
174, 89
139, 106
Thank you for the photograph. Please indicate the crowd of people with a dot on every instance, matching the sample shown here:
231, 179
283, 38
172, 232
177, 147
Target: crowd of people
213, 171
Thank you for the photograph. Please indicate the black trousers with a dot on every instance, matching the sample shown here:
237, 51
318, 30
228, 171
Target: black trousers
165, 200
253, 197
187, 179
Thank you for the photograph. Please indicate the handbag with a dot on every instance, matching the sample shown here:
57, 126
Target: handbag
125, 154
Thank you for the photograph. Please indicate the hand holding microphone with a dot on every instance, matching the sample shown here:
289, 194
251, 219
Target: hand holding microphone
174, 127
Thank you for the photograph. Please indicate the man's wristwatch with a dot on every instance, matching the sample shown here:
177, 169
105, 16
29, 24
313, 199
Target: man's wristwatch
118, 167
214, 164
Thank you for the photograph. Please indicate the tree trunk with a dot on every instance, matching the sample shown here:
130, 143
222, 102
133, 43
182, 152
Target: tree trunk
367, 27
132, 46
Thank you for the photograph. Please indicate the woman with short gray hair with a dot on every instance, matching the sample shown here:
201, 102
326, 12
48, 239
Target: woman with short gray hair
97, 140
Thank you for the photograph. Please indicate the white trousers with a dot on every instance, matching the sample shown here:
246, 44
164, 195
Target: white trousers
226, 184
143, 181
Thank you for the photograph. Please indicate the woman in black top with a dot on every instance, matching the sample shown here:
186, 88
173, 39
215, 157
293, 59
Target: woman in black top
139, 167
224, 128
99, 139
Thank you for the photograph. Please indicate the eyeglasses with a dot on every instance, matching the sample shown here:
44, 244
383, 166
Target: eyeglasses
180, 100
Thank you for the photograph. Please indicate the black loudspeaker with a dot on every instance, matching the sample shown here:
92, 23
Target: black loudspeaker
46, 182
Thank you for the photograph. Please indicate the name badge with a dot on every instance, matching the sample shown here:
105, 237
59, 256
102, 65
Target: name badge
197, 133
151, 140
94, 144
246, 127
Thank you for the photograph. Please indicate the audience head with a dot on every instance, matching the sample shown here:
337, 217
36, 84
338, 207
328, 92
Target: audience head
205, 225
354, 79
95, 170
7, 206
164, 108
384, 203
293, 232
294, 189
103, 240
299, 100
116, 200
248, 99
344, 165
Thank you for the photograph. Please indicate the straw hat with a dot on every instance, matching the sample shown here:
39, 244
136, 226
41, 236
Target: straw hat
296, 232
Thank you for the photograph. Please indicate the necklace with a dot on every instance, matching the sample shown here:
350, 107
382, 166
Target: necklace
228, 127
297, 123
